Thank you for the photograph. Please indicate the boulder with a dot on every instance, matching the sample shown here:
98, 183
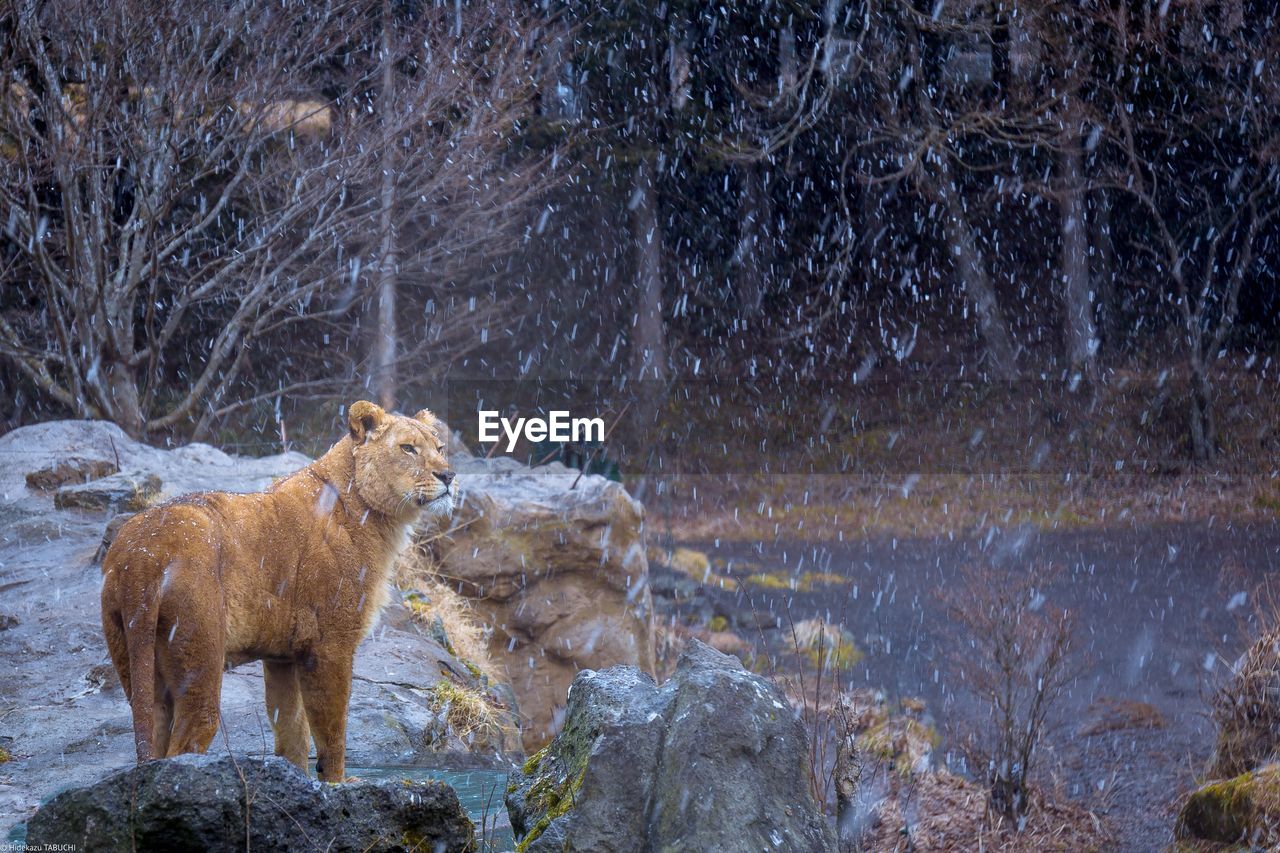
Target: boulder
554, 560
127, 490
69, 471
203, 803
714, 759
1241, 810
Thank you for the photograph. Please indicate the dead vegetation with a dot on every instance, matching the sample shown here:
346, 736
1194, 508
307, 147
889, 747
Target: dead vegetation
471, 716
943, 812
958, 460
1014, 652
1114, 715
446, 614
1246, 710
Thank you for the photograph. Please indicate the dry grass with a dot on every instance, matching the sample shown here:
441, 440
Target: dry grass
1246, 711
471, 716
957, 459
692, 564
948, 813
825, 646
443, 610
1114, 715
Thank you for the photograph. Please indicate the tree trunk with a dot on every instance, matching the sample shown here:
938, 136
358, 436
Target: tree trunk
752, 256
1001, 68
971, 269
126, 410
386, 341
1104, 271
1081, 332
649, 337
1203, 440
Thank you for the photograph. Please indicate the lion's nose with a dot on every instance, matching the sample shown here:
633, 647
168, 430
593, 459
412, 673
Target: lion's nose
445, 477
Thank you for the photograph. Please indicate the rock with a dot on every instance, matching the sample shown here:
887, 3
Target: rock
190, 468
1244, 809
558, 570
68, 472
198, 803
714, 759
127, 490
109, 534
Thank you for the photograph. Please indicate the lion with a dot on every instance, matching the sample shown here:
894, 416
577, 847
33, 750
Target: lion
294, 576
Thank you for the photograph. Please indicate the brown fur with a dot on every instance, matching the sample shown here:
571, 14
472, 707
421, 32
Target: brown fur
294, 576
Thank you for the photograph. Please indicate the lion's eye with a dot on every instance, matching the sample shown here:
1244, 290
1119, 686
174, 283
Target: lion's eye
410, 449
440, 449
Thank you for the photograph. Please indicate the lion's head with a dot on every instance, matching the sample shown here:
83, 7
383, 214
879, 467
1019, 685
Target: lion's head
401, 470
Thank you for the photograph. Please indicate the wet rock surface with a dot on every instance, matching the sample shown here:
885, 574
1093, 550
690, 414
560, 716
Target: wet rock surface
69, 472
555, 561
127, 490
714, 759
207, 803
1242, 810
66, 720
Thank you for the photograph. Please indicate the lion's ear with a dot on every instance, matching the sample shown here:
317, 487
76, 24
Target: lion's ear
428, 418
363, 418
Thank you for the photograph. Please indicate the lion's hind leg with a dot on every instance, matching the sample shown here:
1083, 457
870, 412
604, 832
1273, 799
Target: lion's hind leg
162, 725
190, 654
285, 711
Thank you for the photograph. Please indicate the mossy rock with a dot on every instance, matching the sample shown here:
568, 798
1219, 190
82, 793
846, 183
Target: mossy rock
1245, 809
714, 759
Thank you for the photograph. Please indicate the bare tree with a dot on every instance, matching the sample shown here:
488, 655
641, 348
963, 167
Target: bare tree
455, 189
182, 182
1014, 653
1199, 156
925, 115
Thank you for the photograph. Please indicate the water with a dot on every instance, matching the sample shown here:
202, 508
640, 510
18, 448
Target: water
481, 793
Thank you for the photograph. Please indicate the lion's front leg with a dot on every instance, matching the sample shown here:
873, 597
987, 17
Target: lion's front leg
285, 711
325, 682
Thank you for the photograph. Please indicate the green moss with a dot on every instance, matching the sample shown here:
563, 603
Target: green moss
1268, 502
554, 800
718, 623
530, 765
836, 657
802, 583
890, 740
1230, 809
5, 755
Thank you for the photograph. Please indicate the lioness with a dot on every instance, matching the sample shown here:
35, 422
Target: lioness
294, 576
